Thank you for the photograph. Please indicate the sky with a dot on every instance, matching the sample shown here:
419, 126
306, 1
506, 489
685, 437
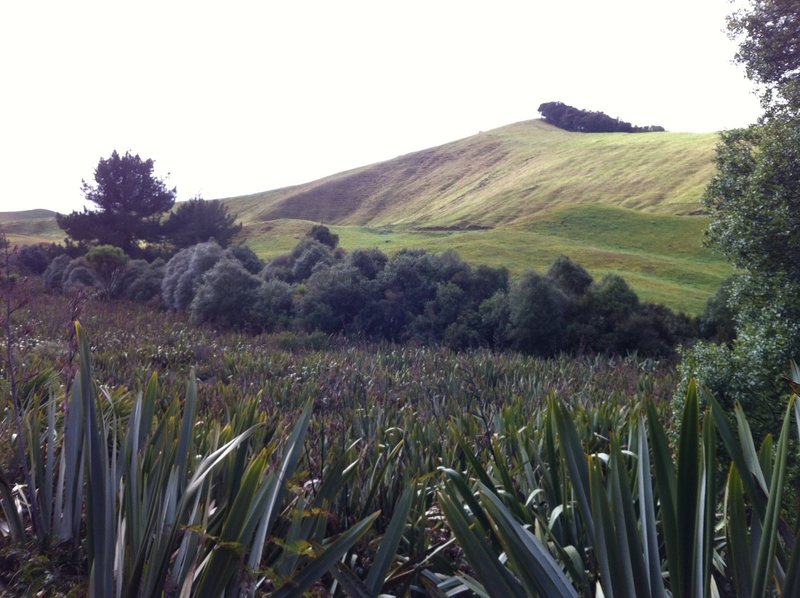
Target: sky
230, 98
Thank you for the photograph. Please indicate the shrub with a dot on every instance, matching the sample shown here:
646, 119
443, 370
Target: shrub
718, 320
78, 275
54, 272
272, 307
750, 371
141, 281
323, 235
184, 273
226, 296
308, 255
570, 277
32, 259
108, 263
334, 297
247, 257
536, 315
370, 262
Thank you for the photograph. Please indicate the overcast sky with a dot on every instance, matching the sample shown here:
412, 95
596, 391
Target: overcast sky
233, 98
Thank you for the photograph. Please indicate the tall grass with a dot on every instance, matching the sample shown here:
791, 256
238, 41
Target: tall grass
287, 465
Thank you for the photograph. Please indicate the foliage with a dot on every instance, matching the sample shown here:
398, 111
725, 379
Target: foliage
536, 315
55, 272
129, 201
394, 402
570, 277
753, 206
199, 220
753, 198
521, 537
767, 35
108, 263
184, 272
718, 320
226, 296
79, 275
586, 121
141, 281
32, 259
247, 257
324, 235
334, 297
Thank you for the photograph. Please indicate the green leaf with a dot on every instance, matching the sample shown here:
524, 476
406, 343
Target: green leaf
532, 561
491, 573
576, 462
326, 560
647, 515
738, 534
391, 540
765, 562
689, 482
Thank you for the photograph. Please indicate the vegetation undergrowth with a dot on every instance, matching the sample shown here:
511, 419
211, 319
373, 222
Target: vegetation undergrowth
300, 461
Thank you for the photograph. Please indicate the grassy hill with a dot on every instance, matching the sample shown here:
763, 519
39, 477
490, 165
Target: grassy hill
503, 178
31, 226
519, 196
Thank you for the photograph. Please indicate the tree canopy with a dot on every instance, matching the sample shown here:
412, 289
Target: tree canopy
199, 220
570, 118
129, 202
754, 202
768, 32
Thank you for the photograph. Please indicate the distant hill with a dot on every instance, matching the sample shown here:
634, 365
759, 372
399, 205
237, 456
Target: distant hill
503, 177
516, 196
31, 226
519, 196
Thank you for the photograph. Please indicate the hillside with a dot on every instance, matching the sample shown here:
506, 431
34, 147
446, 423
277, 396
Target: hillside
31, 226
504, 178
519, 196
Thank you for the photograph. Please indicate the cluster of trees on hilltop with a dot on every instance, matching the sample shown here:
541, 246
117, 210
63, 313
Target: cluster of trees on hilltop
570, 118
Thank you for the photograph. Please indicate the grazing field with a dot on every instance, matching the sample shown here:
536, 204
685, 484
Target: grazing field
662, 257
503, 178
31, 226
518, 196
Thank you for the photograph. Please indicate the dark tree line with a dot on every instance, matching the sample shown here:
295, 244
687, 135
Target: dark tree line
570, 118
412, 296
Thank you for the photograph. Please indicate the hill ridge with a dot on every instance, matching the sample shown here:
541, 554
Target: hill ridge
502, 177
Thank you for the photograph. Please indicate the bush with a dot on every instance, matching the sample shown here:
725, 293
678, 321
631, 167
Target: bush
308, 255
32, 259
536, 315
108, 263
370, 262
718, 320
184, 273
141, 281
247, 257
78, 275
323, 235
570, 277
334, 297
272, 308
226, 296
54, 273
750, 371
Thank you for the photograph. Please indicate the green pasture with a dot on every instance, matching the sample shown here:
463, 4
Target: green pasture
661, 256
